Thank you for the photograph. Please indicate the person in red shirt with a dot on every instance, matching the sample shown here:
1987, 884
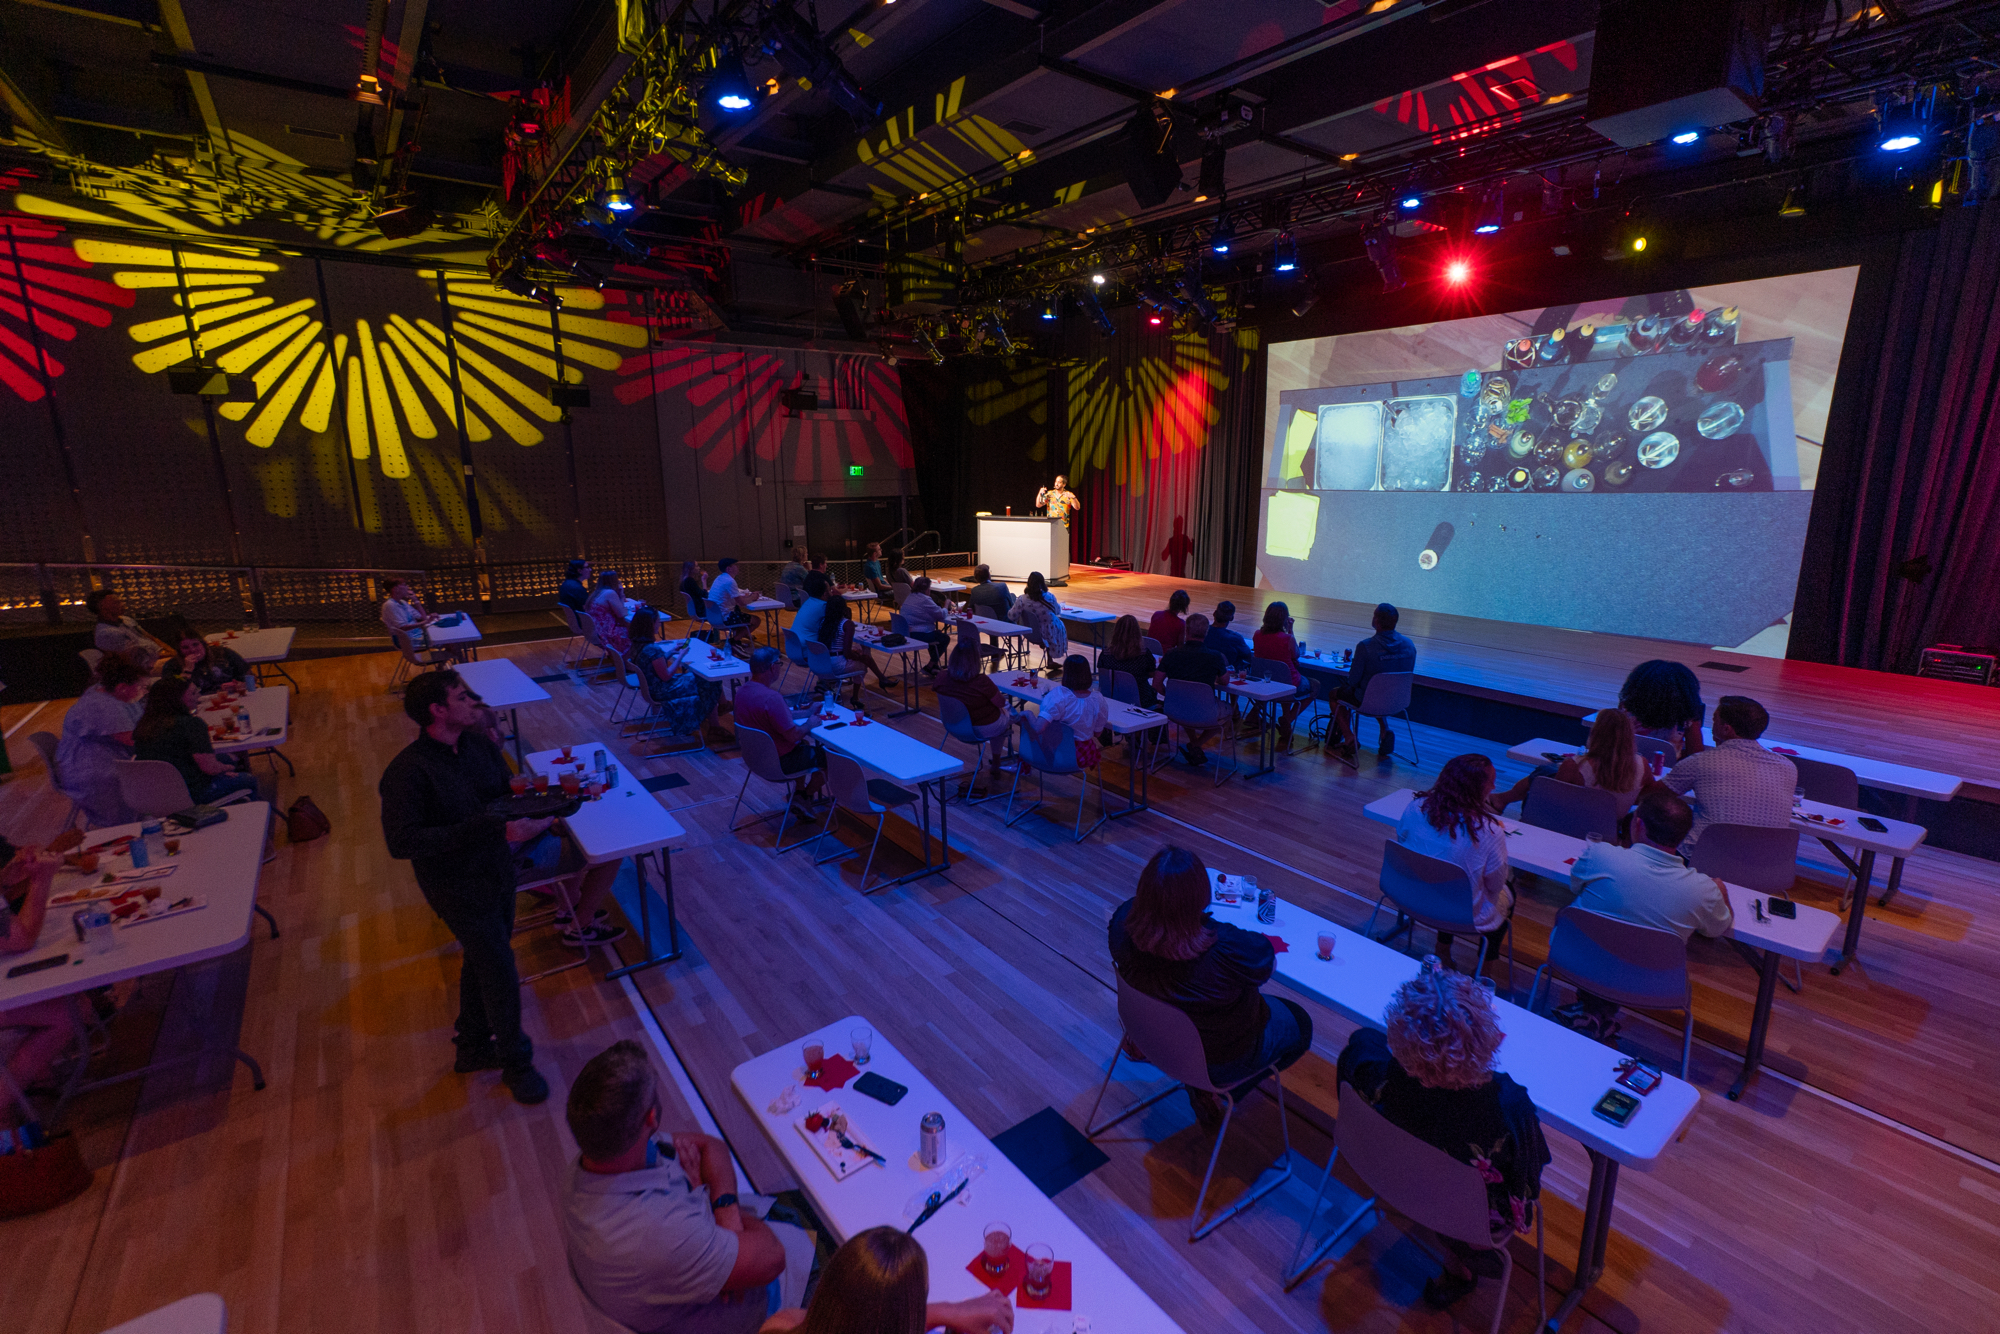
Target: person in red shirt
759, 705
1169, 627
1273, 641
966, 681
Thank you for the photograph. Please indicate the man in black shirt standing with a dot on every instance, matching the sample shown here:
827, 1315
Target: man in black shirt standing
1193, 660
434, 814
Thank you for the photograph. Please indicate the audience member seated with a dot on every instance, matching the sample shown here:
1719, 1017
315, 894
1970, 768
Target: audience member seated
1128, 654
1383, 651
1164, 943
966, 681
759, 705
1664, 699
878, 1282
1648, 883
732, 603
402, 612
610, 596
1453, 821
169, 730
1169, 626
44, 1028
575, 590
1193, 660
988, 597
609, 613
210, 666
926, 620
1737, 781
812, 610
657, 1236
1609, 761
836, 631
792, 578
1075, 702
118, 633
1036, 608
1431, 1074
694, 584
1223, 639
97, 733
686, 703
871, 572
1273, 643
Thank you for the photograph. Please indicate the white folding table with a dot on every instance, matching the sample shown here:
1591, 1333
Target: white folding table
270, 711
1550, 854
220, 864
1126, 720
627, 821
260, 648
883, 1194
903, 759
1003, 632
1088, 616
202, 1313
502, 685
1563, 1071
1906, 779
905, 652
1264, 694
465, 635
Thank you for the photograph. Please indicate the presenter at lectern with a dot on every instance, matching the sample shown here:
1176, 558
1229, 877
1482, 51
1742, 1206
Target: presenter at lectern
1058, 501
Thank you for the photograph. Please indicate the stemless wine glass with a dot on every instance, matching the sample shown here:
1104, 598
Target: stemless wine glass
1041, 1269
999, 1237
815, 1054
863, 1039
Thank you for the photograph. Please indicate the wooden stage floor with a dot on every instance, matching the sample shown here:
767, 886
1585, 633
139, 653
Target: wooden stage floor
1853, 1189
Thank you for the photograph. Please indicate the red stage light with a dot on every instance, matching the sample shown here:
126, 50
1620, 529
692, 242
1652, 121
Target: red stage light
1458, 273
1153, 319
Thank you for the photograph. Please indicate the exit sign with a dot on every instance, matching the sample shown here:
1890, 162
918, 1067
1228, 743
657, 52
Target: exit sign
853, 470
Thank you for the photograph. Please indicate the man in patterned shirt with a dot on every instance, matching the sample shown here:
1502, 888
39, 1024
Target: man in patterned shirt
1736, 781
1059, 500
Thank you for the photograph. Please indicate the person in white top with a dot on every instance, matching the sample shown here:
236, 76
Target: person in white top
118, 633
729, 604
1453, 822
1075, 702
401, 610
1610, 761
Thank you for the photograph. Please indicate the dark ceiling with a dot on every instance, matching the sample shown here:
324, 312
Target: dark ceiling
1000, 164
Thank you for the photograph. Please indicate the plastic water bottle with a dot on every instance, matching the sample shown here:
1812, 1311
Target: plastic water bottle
139, 851
155, 834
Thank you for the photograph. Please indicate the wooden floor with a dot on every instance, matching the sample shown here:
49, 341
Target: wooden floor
1855, 1188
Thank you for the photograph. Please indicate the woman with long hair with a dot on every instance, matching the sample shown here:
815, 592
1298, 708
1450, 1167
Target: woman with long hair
836, 631
1128, 654
1273, 643
1453, 821
1169, 626
1164, 943
965, 680
609, 613
878, 1282
1610, 760
210, 666
1036, 608
169, 730
1430, 1072
687, 703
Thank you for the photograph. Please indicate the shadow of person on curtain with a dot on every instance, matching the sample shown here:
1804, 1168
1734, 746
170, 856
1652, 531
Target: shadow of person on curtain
1178, 548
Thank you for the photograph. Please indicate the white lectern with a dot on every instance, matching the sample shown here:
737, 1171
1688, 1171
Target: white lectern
1015, 547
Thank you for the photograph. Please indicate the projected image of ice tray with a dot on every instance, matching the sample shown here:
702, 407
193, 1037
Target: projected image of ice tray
1416, 443
1349, 453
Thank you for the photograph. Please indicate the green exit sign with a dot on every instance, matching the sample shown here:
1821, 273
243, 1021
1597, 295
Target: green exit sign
853, 470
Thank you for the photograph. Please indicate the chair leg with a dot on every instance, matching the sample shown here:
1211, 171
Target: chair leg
1415, 758
265, 913
1197, 1229
1506, 1286
869, 865
1687, 1040
825, 825
1302, 1263
1041, 794
739, 800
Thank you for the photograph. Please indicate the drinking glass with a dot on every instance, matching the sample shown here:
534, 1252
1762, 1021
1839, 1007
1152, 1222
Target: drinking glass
518, 783
1041, 1269
173, 846
566, 753
1326, 944
571, 783
1799, 797
862, 1038
541, 782
999, 1236
815, 1054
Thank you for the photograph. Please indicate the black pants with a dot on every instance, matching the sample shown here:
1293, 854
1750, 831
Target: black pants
1494, 940
489, 985
936, 639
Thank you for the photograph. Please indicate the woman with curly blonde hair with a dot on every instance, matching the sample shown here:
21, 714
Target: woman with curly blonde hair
1432, 1074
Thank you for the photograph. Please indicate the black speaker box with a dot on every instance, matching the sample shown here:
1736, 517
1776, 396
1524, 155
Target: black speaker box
1658, 70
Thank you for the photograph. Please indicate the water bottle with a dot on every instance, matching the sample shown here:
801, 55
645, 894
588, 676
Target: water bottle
597, 760
154, 835
139, 851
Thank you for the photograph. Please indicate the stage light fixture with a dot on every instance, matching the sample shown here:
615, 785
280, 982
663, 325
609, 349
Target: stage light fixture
1285, 257
1195, 300
803, 54
1903, 124
1686, 137
1305, 303
729, 87
1638, 245
1095, 309
1411, 203
1223, 236
1049, 311
1097, 280
1458, 273
998, 328
1795, 203
1212, 184
1380, 243
1155, 319
929, 345
615, 197
1492, 212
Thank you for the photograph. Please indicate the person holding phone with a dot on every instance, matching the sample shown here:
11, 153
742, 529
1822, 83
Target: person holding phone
1429, 1070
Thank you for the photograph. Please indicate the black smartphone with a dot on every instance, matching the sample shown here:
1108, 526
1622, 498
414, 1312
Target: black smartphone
1552, 757
1781, 908
1641, 1079
1616, 1106
1874, 825
831, 726
887, 1091
23, 969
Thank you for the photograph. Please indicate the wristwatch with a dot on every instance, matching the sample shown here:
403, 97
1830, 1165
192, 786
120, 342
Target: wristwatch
722, 1201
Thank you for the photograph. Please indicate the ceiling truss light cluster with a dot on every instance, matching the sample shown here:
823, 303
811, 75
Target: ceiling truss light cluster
730, 87
1285, 254
1223, 237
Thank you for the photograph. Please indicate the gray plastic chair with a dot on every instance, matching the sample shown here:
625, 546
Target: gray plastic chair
862, 796
1191, 705
701, 629
1424, 1184
829, 671
1173, 1044
1568, 808
957, 721
1833, 784
1121, 686
1765, 860
1152, 646
1053, 757
1624, 962
155, 789
1388, 697
1436, 894
47, 743
568, 616
760, 760
1652, 745
410, 657
91, 657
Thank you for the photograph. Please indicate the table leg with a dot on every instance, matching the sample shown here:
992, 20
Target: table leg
1895, 880
514, 721
646, 914
1267, 741
943, 862
77, 1084
1854, 910
1596, 1237
1760, 1022
909, 685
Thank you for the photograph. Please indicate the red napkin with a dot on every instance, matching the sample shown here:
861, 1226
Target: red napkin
1569, 861
1058, 1298
1017, 1269
834, 1072
1278, 943
1783, 750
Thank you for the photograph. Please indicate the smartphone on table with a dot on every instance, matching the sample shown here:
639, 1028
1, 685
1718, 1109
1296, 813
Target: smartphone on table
1616, 1106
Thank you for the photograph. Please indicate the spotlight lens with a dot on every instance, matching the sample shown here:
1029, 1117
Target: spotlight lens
1900, 143
1638, 243
1458, 271
1097, 279
1152, 319
732, 102
1487, 228
1220, 246
1286, 266
1687, 136
1412, 201
618, 205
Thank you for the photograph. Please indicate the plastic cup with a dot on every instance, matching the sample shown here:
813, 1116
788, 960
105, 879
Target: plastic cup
87, 862
566, 754
571, 783
863, 1039
1326, 944
815, 1054
173, 846
1041, 1269
541, 782
518, 783
999, 1237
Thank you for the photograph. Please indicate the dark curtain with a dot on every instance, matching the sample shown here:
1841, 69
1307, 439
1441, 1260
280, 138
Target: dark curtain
982, 438
1900, 553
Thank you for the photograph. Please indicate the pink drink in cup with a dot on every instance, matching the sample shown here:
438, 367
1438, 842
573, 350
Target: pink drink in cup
815, 1054
999, 1237
1326, 944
